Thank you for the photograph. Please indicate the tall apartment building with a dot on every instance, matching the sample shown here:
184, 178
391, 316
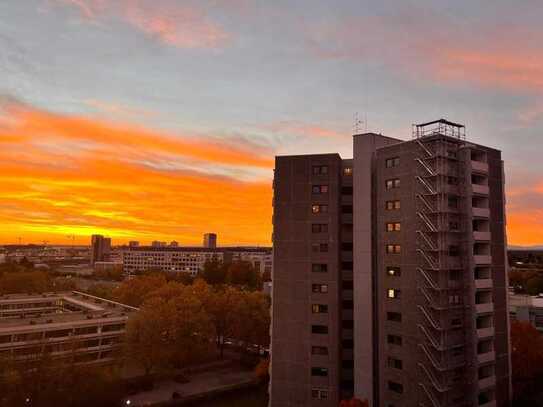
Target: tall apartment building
210, 240
100, 248
429, 281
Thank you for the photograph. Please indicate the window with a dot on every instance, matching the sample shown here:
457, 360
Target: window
347, 364
454, 226
451, 154
394, 340
347, 246
319, 371
319, 329
392, 162
319, 309
347, 324
392, 205
393, 249
393, 226
319, 350
346, 209
320, 169
319, 247
394, 316
347, 265
347, 171
395, 363
392, 183
319, 189
319, 268
319, 228
452, 202
454, 251
346, 190
347, 304
319, 208
452, 180
394, 271
395, 387
319, 394
393, 293
320, 288
347, 343
347, 285
456, 322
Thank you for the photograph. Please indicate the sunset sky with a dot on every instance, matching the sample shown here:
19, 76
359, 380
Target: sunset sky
160, 119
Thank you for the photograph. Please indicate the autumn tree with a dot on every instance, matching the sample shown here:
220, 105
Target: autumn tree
243, 273
214, 272
527, 361
135, 290
24, 282
171, 327
252, 324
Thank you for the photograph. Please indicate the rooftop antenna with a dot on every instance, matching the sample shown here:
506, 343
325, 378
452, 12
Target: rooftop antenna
357, 124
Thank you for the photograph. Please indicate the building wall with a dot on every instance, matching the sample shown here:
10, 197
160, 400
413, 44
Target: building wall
364, 148
293, 358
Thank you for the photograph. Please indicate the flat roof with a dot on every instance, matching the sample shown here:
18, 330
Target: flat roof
91, 309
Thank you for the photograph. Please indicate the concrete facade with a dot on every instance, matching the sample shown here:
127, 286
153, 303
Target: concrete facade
429, 285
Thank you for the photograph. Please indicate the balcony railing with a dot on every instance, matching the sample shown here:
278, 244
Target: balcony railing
487, 382
485, 332
479, 166
484, 308
482, 259
481, 236
483, 283
480, 189
481, 212
486, 357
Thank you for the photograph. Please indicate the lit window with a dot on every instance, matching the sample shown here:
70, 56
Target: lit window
392, 205
393, 249
320, 288
393, 227
319, 208
319, 309
393, 293
319, 268
319, 189
394, 271
347, 171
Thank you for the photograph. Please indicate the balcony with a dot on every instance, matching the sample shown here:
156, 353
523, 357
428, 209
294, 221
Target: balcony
479, 189
483, 283
481, 212
489, 381
479, 166
486, 357
481, 236
484, 308
485, 332
481, 259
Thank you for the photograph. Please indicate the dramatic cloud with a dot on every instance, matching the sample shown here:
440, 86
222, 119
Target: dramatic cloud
179, 24
444, 49
64, 175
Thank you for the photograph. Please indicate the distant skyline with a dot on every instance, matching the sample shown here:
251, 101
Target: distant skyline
159, 119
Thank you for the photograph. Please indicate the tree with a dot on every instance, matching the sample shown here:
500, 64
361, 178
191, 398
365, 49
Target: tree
534, 285
223, 307
24, 282
214, 272
252, 324
135, 290
171, 328
526, 360
243, 273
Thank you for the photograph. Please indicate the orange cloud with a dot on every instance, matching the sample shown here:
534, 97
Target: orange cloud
63, 175
179, 25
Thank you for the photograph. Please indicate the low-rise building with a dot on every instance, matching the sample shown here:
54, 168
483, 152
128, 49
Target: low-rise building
527, 308
62, 325
191, 259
